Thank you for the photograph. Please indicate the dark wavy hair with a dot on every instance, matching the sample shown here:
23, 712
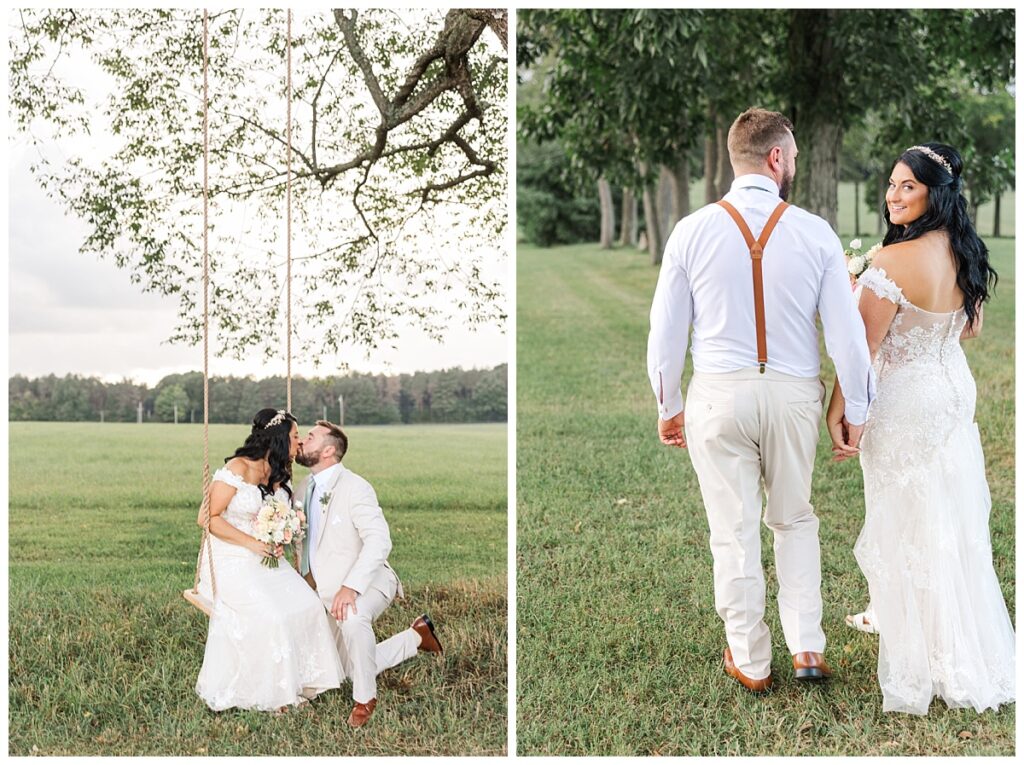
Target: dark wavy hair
947, 209
272, 443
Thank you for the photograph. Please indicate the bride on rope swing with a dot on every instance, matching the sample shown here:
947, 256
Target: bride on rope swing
270, 644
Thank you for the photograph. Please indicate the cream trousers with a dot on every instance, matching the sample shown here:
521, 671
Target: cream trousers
753, 437
362, 657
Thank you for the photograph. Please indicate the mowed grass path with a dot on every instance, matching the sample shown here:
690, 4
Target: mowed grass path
104, 652
619, 646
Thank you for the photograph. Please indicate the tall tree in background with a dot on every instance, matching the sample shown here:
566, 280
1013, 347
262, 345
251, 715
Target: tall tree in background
841, 63
399, 149
618, 98
645, 85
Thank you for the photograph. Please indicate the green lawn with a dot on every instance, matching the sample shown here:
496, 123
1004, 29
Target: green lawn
104, 652
619, 647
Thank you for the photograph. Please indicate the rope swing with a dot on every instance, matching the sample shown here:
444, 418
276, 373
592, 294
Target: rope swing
202, 599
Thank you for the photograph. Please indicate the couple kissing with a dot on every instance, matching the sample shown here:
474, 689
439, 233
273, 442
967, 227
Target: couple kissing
278, 636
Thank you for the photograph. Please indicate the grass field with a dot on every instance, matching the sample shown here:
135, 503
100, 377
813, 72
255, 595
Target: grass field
619, 646
104, 652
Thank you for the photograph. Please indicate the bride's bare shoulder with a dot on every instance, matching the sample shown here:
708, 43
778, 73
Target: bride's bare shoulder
890, 253
906, 260
241, 466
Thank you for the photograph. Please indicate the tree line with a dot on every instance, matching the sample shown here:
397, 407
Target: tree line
450, 395
638, 103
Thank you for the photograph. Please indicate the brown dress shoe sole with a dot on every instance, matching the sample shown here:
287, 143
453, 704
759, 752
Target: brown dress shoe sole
810, 673
810, 666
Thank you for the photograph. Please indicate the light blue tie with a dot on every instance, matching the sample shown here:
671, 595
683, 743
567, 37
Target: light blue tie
308, 541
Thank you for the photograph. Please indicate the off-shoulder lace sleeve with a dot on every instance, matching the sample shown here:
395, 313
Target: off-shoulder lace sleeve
231, 479
876, 280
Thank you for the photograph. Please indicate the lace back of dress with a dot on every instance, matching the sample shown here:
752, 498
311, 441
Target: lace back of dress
915, 335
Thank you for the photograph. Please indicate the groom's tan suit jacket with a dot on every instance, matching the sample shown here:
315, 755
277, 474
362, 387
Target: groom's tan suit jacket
352, 538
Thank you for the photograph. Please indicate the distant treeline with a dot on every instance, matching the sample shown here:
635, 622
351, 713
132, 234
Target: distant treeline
451, 395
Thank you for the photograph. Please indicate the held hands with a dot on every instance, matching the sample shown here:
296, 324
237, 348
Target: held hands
845, 437
671, 431
344, 603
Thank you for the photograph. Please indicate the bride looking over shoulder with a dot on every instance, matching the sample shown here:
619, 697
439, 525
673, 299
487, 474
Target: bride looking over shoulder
925, 549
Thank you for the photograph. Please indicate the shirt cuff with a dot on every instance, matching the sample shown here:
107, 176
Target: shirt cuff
857, 414
672, 406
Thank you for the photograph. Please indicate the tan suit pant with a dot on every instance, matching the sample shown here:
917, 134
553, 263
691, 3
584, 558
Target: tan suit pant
752, 437
362, 657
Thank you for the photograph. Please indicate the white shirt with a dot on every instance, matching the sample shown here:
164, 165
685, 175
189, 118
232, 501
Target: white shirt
706, 283
313, 512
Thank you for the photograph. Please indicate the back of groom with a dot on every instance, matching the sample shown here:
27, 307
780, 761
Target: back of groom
748, 275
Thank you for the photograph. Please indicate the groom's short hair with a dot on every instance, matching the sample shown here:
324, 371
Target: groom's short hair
335, 437
755, 133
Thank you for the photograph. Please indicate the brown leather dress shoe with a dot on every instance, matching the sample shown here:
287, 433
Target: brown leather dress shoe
428, 639
809, 665
361, 713
754, 686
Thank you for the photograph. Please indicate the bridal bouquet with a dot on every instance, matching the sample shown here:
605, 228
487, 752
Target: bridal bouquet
279, 524
856, 263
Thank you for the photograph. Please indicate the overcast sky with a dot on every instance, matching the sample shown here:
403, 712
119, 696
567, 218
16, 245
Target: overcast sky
73, 313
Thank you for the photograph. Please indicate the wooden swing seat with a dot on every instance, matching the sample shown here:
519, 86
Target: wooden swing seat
198, 600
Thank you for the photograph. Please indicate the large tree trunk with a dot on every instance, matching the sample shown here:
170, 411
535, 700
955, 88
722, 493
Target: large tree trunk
880, 187
629, 219
667, 200
604, 192
651, 217
816, 87
682, 181
710, 161
995, 223
723, 173
856, 209
628, 232
818, 191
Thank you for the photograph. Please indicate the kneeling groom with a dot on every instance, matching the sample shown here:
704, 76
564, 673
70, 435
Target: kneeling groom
344, 558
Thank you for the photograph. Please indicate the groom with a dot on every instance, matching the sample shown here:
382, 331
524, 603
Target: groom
344, 558
754, 404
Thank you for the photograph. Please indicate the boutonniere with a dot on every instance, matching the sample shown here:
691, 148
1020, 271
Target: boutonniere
325, 500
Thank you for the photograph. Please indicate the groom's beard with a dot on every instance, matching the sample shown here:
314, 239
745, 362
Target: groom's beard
785, 187
307, 460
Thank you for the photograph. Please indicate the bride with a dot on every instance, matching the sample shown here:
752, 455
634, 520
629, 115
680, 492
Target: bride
925, 549
269, 644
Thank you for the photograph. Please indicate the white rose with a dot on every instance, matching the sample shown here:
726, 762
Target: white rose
870, 254
855, 244
856, 265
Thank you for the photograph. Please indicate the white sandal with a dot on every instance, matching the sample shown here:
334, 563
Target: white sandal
862, 622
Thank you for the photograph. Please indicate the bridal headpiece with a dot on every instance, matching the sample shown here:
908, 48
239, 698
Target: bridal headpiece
277, 419
934, 156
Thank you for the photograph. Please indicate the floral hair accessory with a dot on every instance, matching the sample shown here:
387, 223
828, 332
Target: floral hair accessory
934, 156
277, 419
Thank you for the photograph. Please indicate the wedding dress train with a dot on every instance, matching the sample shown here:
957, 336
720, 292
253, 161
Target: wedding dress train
925, 548
269, 643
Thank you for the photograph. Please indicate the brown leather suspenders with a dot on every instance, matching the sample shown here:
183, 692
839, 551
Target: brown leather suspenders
756, 247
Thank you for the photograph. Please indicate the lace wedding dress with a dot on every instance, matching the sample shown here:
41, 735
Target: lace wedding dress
269, 643
925, 548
